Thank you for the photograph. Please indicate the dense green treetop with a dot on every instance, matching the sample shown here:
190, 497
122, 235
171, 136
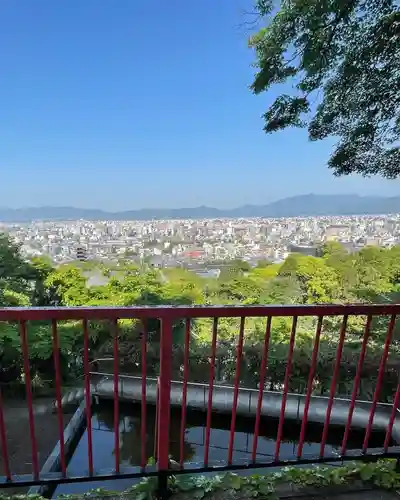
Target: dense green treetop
342, 58
15, 273
370, 275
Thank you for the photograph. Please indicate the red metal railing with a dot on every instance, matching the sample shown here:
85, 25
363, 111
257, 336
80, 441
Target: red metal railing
143, 400
184, 392
56, 354
169, 316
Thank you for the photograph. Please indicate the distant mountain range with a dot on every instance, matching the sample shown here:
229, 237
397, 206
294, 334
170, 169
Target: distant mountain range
296, 206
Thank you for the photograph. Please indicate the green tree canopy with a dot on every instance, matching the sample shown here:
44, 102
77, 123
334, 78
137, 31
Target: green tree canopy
319, 282
42, 267
343, 55
15, 273
263, 263
67, 286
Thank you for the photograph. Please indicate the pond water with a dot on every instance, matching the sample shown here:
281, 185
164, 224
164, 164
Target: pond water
130, 446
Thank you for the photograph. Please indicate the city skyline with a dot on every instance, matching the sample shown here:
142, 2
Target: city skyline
176, 243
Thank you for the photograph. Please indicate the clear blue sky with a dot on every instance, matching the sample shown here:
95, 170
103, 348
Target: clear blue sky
122, 104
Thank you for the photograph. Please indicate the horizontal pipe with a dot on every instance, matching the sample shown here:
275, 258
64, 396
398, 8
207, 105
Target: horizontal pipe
179, 312
223, 397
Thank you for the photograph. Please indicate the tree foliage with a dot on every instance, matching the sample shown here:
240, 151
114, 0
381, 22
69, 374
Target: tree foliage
370, 275
15, 273
342, 58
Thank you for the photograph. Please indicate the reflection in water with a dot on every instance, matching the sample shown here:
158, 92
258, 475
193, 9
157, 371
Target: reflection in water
130, 432
130, 441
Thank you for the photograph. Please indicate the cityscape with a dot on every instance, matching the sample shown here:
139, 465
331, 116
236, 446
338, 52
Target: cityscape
198, 243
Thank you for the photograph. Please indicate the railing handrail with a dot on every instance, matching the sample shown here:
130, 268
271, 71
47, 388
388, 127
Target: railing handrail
196, 311
169, 316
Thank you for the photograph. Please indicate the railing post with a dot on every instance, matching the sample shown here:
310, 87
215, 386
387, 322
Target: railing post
164, 409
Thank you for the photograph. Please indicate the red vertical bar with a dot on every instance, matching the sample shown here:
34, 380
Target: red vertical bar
28, 387
56, 355
263, 374
144, 402
88, 402
356, 383
157, 418
165, 393
311, 375
333, 385
210, 390
392, 418
3, 441
239, 351
379, 381
184, 391
285, 389
116, 395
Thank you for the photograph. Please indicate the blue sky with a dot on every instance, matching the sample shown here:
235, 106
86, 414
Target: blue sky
132, 103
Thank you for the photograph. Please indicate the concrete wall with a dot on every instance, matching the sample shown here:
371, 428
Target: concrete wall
72, 434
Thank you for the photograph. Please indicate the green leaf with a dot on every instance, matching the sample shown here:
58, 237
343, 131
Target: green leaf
387, 481
151, 461
367, 472
184, 483
235, 481
265, 488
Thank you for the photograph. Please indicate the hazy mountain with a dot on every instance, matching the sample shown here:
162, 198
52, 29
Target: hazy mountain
304, 205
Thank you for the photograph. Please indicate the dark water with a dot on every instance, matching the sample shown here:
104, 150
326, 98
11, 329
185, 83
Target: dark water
130, 442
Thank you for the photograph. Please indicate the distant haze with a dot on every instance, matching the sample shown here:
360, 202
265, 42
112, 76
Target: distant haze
296, 206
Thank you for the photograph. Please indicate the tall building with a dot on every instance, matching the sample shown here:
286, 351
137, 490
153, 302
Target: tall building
81, 253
